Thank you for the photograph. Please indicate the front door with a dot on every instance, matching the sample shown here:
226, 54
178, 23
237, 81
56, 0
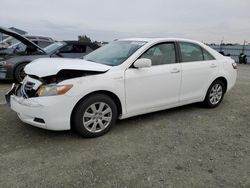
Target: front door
150, 88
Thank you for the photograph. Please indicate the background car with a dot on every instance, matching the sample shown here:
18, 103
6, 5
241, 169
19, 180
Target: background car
40, 40
19, 46
70, 49
12, 65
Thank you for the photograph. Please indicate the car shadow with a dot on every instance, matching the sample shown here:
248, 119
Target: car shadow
121, 125
6, 82
158, 115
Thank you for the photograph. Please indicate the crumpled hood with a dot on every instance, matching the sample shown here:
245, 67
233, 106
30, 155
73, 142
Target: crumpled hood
51, 66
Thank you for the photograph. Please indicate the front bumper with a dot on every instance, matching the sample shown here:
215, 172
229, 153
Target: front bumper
9, 93
52, 113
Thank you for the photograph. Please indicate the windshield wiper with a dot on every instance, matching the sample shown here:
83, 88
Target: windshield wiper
90, 60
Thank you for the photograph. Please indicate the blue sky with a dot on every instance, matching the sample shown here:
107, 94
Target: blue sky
204, 20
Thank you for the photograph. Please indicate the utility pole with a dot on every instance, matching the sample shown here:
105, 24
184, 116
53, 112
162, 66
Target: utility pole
244, 45
221, 42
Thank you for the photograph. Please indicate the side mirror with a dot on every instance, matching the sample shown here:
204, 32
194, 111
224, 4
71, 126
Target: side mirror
143, 62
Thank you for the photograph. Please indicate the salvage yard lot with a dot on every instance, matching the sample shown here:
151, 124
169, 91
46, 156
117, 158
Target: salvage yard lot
188, 146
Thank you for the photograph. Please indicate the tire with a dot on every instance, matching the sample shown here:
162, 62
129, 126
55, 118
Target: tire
214, 94
94, 116
19, 72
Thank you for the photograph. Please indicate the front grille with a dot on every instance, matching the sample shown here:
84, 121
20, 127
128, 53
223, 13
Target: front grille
29, 86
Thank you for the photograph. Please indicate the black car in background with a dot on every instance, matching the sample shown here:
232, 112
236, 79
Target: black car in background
70, 49
12, 65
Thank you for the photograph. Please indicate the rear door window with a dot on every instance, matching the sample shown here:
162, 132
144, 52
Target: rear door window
190, 52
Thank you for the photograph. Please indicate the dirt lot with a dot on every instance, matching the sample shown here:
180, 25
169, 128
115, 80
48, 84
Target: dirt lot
188, 146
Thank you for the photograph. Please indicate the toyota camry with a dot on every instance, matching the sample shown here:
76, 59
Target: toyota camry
122, 79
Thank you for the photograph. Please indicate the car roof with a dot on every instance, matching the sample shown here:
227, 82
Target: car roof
159, 40
156, 39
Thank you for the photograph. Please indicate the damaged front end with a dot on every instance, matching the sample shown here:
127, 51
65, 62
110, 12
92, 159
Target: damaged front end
27, 89
34, 86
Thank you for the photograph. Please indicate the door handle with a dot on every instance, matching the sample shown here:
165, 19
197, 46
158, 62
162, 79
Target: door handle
213, 65
175, 70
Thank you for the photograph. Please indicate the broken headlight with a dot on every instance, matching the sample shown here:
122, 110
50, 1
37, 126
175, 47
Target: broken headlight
53, 89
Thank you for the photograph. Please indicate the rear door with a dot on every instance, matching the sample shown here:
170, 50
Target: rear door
199, 68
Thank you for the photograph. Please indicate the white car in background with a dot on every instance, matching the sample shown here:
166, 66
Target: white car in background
125, 78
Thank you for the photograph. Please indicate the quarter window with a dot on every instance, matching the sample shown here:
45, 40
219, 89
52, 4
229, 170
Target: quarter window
161, 54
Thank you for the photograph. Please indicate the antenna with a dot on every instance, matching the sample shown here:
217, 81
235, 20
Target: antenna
243, 47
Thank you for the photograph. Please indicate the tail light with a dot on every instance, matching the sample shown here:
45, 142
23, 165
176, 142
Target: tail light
234, 65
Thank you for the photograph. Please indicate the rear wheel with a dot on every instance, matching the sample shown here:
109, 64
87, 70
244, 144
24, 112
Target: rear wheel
19, 73
215, 94
94, 116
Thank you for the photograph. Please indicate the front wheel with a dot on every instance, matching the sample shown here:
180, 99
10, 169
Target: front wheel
215, 94
19, 73
94, 115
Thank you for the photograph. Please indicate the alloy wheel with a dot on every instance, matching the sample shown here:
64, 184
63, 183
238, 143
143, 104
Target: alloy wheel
97, 117
215, 94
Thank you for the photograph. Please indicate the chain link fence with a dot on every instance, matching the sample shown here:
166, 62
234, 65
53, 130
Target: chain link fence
233, 50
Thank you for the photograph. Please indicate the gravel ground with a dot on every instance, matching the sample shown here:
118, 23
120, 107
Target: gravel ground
188, 146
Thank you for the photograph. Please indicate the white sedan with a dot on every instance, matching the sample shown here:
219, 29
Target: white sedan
125, 78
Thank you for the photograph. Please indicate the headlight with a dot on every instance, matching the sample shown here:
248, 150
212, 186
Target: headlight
3, 62
53, 89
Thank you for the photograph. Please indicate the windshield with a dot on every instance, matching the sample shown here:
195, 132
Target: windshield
114, 53
53, 47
